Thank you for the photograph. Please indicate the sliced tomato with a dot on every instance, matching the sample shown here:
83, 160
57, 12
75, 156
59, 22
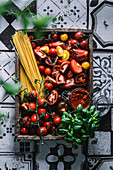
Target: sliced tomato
75, 66
79, 55
52, 98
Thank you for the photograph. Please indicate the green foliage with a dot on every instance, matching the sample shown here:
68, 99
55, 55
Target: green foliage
79, 126
11, 89
26, 16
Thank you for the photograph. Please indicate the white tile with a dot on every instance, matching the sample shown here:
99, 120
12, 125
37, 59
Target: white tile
3, 24
22, 4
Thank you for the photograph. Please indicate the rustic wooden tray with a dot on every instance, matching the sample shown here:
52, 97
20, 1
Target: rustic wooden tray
89, 86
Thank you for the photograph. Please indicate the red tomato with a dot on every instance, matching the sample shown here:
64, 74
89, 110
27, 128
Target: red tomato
57, 120
24, 107
26, 121
49, 86
41, 101
83, 44
43, 130
52, 98
79, 36
33, 94
48, 71
32, 106
41, 68
46, 118
60, 61
24, 131
53, 114
52, 52
55, 36
47, 125
75, 67
34, 118
74, 43
53, 129
41, 110
33, 44
79, 55
31, 37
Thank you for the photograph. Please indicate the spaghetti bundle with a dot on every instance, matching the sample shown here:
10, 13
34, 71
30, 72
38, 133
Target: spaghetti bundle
28, 68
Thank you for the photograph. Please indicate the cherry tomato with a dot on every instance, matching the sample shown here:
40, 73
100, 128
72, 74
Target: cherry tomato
55, 36
57, 120
41, 68
47, 125
52, 98
46, 118
79, 36
33, 44
32, 106
33, 94
85, 65
41, 101
41, 110
52, 52
66, 55
53, 114
45, 49
31, 37
53, 129
48, 71
34, 118
75, 67
26, 121
49, 86
64, 37
24, 107
83, 44
24, 130
43, 130
74, 43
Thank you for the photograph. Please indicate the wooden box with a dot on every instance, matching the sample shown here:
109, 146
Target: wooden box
89, 85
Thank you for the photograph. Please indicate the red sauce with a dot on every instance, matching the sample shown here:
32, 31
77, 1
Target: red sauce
80, 96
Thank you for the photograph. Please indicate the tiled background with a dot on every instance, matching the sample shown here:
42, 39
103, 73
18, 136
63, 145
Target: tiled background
86, 14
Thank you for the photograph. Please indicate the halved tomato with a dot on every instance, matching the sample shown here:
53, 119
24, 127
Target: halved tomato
79, 55
75, 66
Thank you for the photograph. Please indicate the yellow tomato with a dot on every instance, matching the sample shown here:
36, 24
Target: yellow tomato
45, 49
85, 65
63, 37
66, 55
59, 51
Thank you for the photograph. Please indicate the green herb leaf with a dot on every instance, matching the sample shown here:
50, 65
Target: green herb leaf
105, 23
96, 113
79, 108
92, 108
77, 127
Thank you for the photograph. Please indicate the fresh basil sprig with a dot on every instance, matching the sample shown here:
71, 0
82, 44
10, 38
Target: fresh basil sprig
80, 126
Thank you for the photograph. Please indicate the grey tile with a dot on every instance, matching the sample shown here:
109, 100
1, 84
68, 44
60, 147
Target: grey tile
102, 69
12, 161
61, 151
99, 13
103, 145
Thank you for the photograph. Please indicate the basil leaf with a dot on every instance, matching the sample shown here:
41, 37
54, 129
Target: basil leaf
79, 108
77, 127
92, 108
77, 121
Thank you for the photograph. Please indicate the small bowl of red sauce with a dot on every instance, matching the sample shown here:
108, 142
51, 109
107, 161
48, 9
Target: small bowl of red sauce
79, 96
76, 97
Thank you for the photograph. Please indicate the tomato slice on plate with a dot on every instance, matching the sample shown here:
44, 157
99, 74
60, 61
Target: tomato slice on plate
75, 66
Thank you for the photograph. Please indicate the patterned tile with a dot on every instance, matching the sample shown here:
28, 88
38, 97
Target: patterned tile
13, 161
73, 15
102, 69
100, 163
59, 155
98, 18
22, 4
7, 73
103, 145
